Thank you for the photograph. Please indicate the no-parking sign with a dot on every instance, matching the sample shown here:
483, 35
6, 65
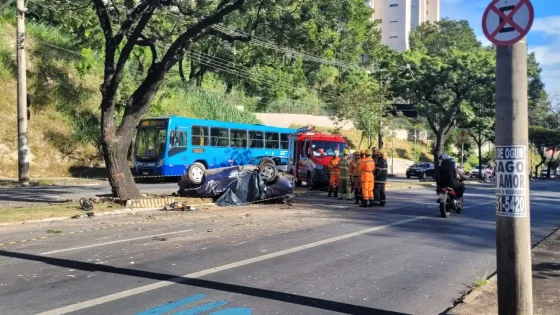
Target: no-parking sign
505, 22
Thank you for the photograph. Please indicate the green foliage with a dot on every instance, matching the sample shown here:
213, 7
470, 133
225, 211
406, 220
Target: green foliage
442, 71
194, 102
361, 101
6, 63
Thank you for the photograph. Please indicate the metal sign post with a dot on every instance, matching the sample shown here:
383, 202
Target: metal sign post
505, 23
463, 138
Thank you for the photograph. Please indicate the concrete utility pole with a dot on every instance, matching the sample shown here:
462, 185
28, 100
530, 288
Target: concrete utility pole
23, 145
513, 235
505, 24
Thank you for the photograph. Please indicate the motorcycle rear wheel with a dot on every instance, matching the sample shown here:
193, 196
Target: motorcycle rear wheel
444, 210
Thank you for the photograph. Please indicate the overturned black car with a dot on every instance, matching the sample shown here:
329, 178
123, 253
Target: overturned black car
237, 185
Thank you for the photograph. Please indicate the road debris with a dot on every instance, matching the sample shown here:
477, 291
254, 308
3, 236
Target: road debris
175, 206
86, 204
161, 239
54, 231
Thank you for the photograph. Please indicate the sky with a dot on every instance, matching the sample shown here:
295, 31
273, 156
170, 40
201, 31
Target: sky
543, 38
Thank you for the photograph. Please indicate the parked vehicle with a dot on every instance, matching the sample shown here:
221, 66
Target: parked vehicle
475, 172
448, 202
420, 169
280, 162
170, 146
553, 172
311, 151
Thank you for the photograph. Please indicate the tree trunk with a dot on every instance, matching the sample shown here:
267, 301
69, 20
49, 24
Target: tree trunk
182, 71
550, 162
120, 179
380, 140
229, 87
438, 147
479, 160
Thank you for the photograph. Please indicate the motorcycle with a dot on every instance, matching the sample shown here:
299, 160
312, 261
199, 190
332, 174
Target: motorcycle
448, 201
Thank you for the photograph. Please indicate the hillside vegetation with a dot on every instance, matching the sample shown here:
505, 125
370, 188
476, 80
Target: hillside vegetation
64, 125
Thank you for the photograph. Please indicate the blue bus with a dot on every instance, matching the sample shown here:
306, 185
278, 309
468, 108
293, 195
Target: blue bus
173, 146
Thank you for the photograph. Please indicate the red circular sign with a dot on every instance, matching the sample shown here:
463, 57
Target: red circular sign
505, 22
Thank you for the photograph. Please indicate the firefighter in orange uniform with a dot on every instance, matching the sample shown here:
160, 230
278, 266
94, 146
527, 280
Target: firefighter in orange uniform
355, 175
334, 179
367, 167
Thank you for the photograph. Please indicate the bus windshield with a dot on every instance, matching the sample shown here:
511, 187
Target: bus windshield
327, 148
150, 142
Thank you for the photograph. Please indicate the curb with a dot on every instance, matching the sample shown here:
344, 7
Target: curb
97, 214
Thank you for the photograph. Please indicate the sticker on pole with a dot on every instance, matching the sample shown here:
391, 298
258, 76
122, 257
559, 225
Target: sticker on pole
505, 22
512, 181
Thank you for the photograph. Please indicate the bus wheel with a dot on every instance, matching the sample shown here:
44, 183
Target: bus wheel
195, 173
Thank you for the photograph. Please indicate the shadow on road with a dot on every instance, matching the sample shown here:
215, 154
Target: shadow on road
213, 285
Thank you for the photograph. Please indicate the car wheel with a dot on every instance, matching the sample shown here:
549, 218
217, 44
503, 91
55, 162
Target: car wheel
422, 176
195, 173
408, 176
268, 172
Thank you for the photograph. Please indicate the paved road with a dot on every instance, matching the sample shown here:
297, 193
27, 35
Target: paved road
320, 256
87, 189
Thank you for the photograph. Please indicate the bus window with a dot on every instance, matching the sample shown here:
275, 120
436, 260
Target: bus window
150, 142
272, 140
199, 135
256, 139
238, 138
284, 141
177, 138
219, 137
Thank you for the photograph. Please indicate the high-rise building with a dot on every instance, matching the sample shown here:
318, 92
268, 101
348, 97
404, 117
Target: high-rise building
398, 17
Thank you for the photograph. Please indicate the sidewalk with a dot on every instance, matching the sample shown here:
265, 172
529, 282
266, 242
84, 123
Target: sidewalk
546, 284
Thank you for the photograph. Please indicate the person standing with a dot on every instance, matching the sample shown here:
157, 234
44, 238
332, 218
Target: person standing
367, 167
355, 175
334, 179
379, 197
345, 183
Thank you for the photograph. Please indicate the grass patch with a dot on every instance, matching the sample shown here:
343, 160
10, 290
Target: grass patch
480, 282
40, 212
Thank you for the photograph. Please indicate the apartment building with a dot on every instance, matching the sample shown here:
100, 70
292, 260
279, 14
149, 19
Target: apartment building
399, 17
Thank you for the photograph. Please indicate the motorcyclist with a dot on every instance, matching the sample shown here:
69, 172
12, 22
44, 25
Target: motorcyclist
446, 176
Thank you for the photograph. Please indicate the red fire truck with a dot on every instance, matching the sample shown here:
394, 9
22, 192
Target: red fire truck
310, 152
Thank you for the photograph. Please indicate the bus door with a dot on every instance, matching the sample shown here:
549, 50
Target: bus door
303, 155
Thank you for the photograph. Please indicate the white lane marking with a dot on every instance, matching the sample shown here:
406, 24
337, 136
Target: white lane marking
162, 284
112, 242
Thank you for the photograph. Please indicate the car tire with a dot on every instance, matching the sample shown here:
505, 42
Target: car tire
195, 173
422, 176
408, 176
268, 171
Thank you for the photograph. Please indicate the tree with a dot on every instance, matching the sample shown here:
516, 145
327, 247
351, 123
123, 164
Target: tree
127, 25
542, 138
362, 102
444, 66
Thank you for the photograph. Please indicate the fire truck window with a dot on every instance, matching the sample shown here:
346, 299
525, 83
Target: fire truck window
326, 148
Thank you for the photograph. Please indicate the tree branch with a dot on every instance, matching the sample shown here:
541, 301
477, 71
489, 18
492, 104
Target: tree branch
132, 40
178, 47
104, 20
230, 38
132, 18
148, 42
